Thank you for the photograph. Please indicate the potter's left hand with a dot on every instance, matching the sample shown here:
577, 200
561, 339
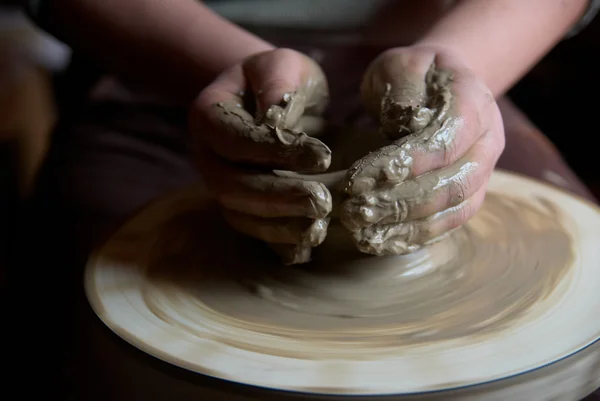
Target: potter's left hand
446, 135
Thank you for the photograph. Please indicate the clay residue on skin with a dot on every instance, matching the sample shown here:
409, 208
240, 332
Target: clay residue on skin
308, 101
309, 153
375, 201
379, 186
241, 190
382, 222
485, 278
279, 129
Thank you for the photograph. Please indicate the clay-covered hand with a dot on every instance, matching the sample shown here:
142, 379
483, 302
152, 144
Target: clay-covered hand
446, 135
256, 118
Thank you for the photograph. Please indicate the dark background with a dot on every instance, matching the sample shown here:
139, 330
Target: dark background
561, 95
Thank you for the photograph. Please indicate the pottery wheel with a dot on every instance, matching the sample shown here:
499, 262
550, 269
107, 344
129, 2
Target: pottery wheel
514, 290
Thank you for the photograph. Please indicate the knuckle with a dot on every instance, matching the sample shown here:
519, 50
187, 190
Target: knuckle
359, 212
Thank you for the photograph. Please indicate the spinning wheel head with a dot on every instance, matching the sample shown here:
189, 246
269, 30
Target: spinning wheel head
514, 290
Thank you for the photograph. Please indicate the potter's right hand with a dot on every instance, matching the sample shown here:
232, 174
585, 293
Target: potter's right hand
249, 123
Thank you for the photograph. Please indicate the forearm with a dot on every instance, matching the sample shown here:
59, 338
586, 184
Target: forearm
500, 40
178, 44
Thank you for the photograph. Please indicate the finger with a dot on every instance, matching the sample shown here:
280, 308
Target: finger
397, 239
261, 193
429, 193
219, 119
396, 78
283, 230
443, 142
405, 89
287, 85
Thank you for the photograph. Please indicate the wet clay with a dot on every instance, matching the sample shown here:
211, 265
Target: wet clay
376, 199
481, 281
380, 188
280, 137
274, 144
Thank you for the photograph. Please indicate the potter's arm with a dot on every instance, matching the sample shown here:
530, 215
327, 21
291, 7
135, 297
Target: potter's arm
435, 99
501, 39
172, 41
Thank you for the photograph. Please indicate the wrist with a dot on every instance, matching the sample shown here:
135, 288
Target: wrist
500, 40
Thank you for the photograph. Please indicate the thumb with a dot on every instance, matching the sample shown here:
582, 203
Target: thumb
395, 90
283, 85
